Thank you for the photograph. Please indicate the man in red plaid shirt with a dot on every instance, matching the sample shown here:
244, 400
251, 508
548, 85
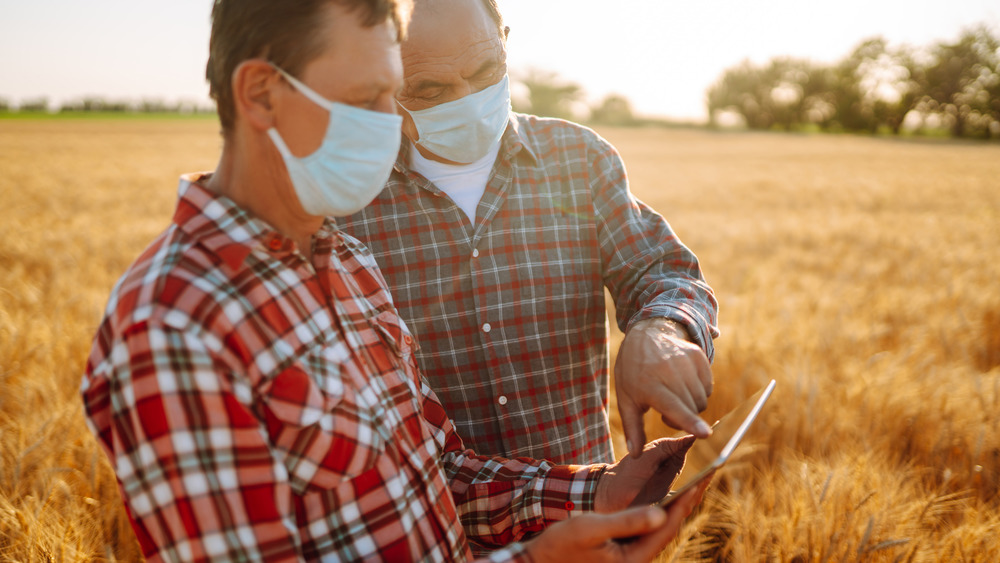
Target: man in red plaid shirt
498, 233
252, 382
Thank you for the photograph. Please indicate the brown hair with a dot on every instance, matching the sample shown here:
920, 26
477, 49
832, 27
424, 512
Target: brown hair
285, 33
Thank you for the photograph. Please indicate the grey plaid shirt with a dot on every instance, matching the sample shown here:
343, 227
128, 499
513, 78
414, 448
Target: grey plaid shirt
509, 313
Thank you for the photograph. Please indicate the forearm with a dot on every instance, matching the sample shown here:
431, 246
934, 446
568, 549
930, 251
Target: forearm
502, 500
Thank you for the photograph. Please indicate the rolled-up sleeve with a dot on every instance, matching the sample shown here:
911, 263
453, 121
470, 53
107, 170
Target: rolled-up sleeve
501, 500
648, 270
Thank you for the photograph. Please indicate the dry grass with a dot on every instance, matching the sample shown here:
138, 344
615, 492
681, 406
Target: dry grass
78, 201
861, 273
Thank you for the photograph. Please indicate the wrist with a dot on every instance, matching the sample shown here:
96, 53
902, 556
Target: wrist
664, 325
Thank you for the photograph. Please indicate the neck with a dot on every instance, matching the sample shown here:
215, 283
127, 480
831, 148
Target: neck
255, 179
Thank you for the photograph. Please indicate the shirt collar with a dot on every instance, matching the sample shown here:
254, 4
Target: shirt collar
223, 228
515, 141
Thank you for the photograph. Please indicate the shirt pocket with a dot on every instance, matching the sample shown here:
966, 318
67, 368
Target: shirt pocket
323, 428
395, 334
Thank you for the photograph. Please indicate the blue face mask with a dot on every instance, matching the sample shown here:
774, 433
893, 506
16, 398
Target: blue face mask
466, 129
352, 164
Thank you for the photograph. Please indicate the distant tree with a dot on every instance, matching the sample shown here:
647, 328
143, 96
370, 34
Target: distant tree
193, 107
991, 86
4, 105
153, 105
738, 90
962, 81
35, 104
778, 94
549, 96
94, 104
874, 86
791, 90
614, 109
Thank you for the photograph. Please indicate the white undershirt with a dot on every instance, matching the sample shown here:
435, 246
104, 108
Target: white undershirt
464, 183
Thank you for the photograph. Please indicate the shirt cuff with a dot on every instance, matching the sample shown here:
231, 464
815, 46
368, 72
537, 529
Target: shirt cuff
570, 490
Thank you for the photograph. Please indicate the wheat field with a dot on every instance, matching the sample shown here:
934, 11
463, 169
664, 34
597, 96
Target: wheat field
861, 273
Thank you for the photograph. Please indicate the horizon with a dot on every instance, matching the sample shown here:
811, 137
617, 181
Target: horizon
650, 53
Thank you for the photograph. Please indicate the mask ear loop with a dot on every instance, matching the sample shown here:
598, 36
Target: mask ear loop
402, 107
416, 125
305, 90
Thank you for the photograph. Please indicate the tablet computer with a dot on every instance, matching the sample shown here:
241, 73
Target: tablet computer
708, 454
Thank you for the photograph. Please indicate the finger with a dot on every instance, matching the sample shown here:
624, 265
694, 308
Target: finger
700, 368
677, 409
598, 529
671, 453
632, 424
650, 545
704, 370
695, 387
667, 448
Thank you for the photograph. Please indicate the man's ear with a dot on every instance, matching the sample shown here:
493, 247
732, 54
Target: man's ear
256, 84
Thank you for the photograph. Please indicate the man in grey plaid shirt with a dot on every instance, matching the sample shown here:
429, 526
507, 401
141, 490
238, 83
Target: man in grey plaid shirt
498, 232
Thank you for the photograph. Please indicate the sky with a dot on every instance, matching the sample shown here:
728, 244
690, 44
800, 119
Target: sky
661, 54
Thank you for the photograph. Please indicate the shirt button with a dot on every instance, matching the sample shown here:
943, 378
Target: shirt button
408, 340
502, 400
475, 253
275, 243
569, 505
487, 327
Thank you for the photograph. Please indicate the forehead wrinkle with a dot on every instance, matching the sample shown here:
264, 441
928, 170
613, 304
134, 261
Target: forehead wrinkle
423, 65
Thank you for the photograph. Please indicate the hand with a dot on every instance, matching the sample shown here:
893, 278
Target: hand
641, 480
588, 537
658, 368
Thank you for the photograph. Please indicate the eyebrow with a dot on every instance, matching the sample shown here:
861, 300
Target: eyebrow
488, 65
426, 84
362, 91
431, 83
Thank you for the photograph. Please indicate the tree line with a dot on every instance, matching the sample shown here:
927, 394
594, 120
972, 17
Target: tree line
877, 87
550, 96
42, 104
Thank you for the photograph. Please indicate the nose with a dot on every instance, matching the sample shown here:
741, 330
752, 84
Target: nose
386, 104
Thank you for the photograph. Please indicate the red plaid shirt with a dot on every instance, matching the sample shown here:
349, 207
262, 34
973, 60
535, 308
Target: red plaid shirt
510, 313
259, 407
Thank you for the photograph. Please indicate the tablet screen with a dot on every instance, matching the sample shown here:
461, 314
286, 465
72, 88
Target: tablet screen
711, 453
